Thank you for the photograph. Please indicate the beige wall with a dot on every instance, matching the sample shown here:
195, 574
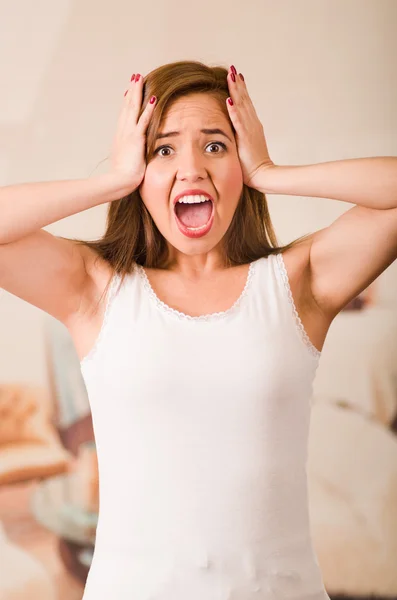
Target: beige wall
322, 74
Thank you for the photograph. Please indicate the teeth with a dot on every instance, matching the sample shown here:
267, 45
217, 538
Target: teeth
192, 199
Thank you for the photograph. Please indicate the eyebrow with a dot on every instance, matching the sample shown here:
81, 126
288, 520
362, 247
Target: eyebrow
206, 131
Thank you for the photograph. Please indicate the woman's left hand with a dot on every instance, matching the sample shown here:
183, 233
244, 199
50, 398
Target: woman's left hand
250, 136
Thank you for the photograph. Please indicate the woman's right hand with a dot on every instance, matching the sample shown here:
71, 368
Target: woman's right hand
127, 156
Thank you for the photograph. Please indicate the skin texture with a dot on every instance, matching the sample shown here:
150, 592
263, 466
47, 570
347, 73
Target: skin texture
192, 160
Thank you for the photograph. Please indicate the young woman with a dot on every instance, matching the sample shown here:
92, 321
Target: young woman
199, 336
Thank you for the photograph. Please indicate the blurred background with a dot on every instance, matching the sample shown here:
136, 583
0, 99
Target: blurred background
322, 76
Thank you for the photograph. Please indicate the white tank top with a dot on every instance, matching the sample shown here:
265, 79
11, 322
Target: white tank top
201, 427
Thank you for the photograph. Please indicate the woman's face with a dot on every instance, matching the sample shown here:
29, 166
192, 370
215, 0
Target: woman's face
190, 160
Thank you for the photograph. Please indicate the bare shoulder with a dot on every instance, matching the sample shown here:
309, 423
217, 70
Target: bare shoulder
297, 265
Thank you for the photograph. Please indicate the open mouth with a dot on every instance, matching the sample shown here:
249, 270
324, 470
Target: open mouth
194, 215
194, 220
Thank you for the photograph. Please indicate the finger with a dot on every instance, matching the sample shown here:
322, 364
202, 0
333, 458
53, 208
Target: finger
145, 117
237, 87
127, 94
234, 114
134, 98
125, 107
130, 86
132, 102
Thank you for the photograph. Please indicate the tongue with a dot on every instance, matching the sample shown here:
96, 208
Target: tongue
194, 215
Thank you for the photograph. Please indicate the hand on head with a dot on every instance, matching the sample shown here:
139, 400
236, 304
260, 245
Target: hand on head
128, 149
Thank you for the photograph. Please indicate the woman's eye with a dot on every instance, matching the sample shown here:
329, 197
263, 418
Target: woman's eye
218, 144
209, 145
160, 149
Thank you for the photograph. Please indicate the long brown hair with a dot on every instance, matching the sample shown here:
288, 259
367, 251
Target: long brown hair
131, 235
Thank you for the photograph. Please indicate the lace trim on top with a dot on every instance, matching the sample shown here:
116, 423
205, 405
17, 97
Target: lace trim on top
183, 316
105, 322
313, 350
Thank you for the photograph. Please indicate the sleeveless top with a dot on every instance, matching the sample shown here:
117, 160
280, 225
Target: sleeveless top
201, 427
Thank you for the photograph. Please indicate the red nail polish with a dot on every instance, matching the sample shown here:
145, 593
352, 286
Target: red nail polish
233, 77
152, 99
242, 77
230, 101
137, 77
133, 77
233, 68
125, 93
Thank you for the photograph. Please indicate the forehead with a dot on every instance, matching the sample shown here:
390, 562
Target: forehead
195, 108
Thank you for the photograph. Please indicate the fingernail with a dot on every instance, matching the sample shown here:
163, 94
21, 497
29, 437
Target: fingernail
242, 77
133, 77
125, 93
137, 77
152, 99
233, 68
233, 77
230, 101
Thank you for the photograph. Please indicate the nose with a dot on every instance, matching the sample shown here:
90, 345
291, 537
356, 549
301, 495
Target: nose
191, 166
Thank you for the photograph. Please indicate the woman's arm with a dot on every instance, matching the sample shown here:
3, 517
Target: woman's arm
27, 207
368, 182
345, 257
36, 266
349, 254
